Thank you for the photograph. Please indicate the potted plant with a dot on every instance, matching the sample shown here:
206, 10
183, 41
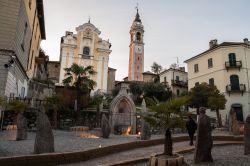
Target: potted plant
169, 116
20, 107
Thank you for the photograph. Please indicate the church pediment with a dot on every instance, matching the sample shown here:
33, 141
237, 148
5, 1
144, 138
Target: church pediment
87, 27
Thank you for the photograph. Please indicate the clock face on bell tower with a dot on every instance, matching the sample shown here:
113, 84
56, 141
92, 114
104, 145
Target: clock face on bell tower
136, 53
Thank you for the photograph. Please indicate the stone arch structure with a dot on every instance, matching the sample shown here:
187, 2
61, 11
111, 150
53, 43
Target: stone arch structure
122, 112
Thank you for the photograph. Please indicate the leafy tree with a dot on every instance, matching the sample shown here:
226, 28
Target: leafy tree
216, 102
2, 102
136, 88
156, 68
20, 107
115, 91
156, 90
107, 100
205, 95
168, 115
79, 77
198, 96
54, 103
97, 100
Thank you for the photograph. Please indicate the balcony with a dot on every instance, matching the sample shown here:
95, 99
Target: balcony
233, 65
179, 83
236, 89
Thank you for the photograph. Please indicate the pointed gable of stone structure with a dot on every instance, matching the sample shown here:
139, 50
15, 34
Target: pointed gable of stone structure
122, 115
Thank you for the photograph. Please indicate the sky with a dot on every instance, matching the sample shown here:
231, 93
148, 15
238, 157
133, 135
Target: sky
173, 28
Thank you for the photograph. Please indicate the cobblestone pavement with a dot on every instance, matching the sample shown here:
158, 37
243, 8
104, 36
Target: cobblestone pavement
130, 154
148, 151
64, 142
231, 155
71, 141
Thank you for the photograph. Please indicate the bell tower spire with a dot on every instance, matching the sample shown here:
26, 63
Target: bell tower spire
136, 53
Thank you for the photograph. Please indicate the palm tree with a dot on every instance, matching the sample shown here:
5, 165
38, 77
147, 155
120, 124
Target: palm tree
167, 115
80, 78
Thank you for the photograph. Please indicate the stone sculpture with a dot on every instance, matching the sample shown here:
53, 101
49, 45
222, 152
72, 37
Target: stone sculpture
44, 142
105, 127
21, 127
204, 141
247, 136
145, 127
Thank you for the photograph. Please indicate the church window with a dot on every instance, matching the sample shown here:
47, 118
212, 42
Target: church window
138, 36
86, 51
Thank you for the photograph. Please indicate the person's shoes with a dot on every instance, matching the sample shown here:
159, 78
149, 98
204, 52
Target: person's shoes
191, 144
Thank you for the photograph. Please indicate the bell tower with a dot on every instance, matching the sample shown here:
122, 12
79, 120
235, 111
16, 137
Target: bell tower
136, 50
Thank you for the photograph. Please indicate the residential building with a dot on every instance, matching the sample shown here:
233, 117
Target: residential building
16, 33
175, 80
227, 66
136, 50
149, 76
86, 48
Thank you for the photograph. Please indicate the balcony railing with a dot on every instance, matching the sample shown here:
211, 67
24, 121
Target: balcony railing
236, 89
179, 83
233, 64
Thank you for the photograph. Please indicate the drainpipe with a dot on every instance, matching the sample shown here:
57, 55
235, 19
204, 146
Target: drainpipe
248, 84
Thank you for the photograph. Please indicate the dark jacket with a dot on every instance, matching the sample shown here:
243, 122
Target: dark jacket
191, 126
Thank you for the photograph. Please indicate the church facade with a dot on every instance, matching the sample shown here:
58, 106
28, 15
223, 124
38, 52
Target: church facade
136, 50
86, 48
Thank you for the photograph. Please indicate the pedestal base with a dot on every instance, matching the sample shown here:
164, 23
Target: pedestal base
165, 160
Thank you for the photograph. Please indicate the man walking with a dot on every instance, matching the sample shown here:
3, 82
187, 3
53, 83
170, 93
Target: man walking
191, 127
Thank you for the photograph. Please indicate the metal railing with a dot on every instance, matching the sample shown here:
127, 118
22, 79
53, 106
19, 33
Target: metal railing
179, 83
233, 64
236, 89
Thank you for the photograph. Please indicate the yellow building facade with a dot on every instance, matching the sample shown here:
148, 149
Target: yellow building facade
86, 48
227, 66
35, 13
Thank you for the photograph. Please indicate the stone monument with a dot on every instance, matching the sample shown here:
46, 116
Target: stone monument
21, 127
145, 127
247, 136
105, 126
122, 113
204, 140
44, 142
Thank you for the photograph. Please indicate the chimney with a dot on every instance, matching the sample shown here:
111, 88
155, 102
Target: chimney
212, 43
246, 41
